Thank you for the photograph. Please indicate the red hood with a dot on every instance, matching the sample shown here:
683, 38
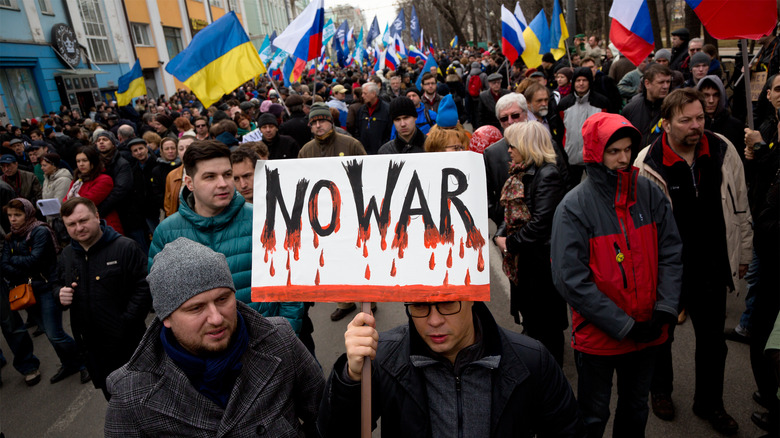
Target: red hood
597, 130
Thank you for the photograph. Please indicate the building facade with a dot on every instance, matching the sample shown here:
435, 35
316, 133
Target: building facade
72, 52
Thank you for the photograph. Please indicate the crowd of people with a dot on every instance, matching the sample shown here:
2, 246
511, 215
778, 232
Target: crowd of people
633, 195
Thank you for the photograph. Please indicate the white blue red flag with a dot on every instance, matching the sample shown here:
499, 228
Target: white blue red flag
631, 31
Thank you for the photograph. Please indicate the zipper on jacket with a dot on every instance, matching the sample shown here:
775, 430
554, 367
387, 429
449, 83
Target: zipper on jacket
460, 406
693, 179
619, 258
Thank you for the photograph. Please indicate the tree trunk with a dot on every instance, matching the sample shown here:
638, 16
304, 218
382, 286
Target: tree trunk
656, 26
474, 31
667, 23
692, 22
448, 13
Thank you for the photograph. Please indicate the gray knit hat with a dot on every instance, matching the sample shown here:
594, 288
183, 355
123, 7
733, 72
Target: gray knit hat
182, 270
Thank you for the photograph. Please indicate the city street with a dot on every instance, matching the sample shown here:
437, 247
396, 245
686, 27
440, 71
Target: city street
70, 409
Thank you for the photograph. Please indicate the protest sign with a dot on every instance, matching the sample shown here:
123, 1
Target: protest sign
371, 228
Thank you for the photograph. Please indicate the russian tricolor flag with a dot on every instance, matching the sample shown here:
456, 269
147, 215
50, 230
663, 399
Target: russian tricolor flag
415, 54
631, 31
303, 37
391, 59
734, 19
512, 43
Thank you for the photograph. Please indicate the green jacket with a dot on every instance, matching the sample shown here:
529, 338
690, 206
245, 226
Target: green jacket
229, 233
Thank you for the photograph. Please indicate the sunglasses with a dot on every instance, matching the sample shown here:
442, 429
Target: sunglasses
200, 126
514, 116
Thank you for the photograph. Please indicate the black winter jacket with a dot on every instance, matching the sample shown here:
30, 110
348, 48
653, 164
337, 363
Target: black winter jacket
530, 394
374, 130
111, 299
297, 127
122, 174
282, 146
33, 258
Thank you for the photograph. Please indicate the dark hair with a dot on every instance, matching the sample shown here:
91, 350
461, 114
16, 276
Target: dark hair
14, 204
203, 150
654, 70
677, 99
93, 155
244, 152
260, 149
71, 204
52, 158
222, 126
427, 75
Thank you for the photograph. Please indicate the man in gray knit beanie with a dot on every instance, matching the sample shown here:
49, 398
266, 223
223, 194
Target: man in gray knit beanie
210, 354
184, 269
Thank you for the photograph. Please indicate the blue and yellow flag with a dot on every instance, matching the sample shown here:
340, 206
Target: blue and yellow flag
131, 85
454, 42
559, 33
537, 40
218, 60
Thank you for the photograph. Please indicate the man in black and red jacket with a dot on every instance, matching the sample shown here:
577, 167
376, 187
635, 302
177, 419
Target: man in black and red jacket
615, 255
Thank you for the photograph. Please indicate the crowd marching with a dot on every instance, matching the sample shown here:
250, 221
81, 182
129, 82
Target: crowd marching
635, 196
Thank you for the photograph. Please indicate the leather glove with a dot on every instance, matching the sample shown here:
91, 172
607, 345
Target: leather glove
644, 332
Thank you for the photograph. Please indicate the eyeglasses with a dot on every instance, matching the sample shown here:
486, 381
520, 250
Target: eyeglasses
200, 126
455, 148
422, 310
514, 116
694, 49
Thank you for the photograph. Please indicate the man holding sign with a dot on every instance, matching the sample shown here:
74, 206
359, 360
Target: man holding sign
452, 371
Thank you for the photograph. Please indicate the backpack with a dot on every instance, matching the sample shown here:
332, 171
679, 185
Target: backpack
475, 85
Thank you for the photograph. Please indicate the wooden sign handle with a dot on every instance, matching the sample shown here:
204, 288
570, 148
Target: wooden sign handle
365, 388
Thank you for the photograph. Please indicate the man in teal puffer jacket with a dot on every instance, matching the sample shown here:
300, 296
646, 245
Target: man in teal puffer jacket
212, 213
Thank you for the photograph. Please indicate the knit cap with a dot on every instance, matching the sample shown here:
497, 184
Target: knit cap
109, 135
663, 54
320, 111
700, 58
402, 106
267, 119
182, 270
448, 113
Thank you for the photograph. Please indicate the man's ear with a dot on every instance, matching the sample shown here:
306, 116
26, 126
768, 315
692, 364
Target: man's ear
167, 322
188, 182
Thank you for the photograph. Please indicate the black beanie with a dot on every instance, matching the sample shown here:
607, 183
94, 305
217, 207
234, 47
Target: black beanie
267, 119
402, 106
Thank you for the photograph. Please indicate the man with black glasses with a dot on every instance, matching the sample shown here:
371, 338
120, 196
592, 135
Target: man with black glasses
201, 128
451, 371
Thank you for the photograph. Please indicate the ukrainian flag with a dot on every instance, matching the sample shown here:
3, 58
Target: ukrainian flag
559, 33
131, 85
537, 40
454, 42
218, 60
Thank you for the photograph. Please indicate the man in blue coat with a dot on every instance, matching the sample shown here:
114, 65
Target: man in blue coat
212, 213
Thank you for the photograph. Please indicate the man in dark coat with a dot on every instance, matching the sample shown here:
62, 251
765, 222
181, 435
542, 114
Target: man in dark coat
297, 126
680, 38
451, 371
373, 122
279, 146
103, 277
644, 109
409, 138
122, 174
486, 108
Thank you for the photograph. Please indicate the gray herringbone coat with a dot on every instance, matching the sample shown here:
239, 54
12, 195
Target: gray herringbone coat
277, 393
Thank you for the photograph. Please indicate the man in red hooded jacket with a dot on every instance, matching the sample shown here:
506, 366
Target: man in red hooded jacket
616, 260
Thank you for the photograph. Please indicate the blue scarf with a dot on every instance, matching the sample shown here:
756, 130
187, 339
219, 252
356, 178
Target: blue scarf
212, 376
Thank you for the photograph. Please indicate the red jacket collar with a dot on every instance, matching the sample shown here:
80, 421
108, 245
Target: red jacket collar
671, 157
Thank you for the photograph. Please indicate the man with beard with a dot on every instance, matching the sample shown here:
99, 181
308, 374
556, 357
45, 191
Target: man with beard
702, 175
209, 365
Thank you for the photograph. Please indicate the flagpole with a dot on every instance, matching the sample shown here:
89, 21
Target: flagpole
273, 84
508, 80
746, 74
365, 388
568, 55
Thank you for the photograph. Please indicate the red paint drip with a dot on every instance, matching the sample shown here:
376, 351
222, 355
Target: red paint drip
365, 250
272, 270
317, 278
368, 273
432, 262
268, 239
447, 278
316, 240
384, 243
449, 259
480, 262
401, 239
289, 283
292, 241
322, 258
265, 257
461, 248
392, 269
363, 236
431, 237
288, 260
474, 239
358, 242
467, 281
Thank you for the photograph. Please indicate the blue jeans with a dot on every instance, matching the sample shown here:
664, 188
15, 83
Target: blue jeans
752, 279
594, 389
16, 335
50, 315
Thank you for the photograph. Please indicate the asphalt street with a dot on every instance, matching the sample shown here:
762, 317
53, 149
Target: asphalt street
70, 409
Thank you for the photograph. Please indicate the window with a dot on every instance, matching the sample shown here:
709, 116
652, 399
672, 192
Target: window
95, 30
140, 34
233, 5
20, 93
173, 41
9, 4
45, 6
217, 3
